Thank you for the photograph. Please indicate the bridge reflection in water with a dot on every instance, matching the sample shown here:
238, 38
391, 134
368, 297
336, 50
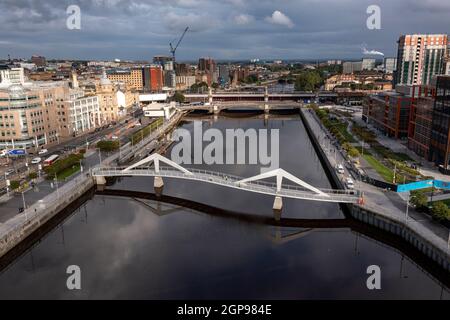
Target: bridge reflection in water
302, 227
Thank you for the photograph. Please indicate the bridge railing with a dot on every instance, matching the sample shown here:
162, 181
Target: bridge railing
230, 180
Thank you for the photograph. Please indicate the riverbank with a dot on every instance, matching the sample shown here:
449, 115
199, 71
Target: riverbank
380, 208
23, 225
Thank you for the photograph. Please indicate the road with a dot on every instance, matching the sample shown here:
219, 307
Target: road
21, 169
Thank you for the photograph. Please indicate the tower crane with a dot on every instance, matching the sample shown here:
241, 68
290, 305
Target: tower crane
174, 49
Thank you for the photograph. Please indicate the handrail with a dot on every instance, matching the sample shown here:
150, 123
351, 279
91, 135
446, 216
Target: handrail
288, 190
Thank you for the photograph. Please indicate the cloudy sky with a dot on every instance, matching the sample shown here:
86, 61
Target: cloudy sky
223, 29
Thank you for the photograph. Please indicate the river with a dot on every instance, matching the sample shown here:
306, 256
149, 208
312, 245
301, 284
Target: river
138, 248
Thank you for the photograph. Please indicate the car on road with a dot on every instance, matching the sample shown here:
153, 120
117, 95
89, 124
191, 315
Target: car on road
9, 171
340, 169
349, 184
114, 137
36, 160
43, 151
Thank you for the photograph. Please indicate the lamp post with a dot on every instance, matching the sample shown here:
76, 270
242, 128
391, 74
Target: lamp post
100, 155
407, 206
23, 200
8, 183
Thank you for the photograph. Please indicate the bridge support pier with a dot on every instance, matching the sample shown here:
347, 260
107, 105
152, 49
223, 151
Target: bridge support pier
278, 204
216, 109
100, 181
266, 108
158, 185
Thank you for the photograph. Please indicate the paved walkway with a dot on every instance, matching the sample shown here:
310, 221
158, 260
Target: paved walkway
385, 203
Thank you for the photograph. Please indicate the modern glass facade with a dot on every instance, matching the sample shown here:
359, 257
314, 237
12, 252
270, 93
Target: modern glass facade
440, 130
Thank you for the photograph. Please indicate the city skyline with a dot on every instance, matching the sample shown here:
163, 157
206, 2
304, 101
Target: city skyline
226, 30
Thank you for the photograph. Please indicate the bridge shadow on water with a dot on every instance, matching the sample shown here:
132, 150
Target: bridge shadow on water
368, 232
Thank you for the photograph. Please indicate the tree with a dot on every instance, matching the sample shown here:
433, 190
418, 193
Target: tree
215, 85
32, 175
108, 145
353, 152
419, 199
178, 97
308, 81
14, 184
440, 211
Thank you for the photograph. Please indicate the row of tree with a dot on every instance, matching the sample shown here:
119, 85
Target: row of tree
439, 210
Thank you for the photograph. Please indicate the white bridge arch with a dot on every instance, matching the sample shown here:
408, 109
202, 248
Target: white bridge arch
301, 190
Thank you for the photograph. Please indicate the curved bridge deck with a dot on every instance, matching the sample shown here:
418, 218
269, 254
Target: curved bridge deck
232, 181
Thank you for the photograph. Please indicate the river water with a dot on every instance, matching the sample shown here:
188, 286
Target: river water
138, 248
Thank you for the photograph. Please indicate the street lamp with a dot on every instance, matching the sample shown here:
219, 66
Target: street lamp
23, 200
8, 183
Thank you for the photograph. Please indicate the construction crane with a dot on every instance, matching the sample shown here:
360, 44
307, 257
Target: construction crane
174, 49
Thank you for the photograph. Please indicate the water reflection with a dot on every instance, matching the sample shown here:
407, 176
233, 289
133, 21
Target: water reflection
137, 247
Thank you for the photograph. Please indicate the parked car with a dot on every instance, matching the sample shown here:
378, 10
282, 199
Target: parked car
43, 151
9, 171
36, 160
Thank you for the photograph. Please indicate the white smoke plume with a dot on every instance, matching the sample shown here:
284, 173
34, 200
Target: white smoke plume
365, 51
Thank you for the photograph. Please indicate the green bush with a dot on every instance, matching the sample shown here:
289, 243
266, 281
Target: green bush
14, 184
108, 145
353, 152
440, 211
63, 164
419, 199
32, 175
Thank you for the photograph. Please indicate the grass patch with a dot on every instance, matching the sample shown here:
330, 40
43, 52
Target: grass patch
388, 153
66, 173
386, 173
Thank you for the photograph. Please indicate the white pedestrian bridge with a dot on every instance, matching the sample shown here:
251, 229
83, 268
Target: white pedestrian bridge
301, 190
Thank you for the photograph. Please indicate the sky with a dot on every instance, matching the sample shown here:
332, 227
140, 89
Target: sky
222, 29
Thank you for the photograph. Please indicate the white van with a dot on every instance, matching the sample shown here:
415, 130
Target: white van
340, 169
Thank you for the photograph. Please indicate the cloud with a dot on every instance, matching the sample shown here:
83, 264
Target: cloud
280, 18
242, 19
196, 22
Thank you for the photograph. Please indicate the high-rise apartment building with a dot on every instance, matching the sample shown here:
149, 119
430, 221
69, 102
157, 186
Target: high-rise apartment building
152, 77
420, 57
224, 74
207, 65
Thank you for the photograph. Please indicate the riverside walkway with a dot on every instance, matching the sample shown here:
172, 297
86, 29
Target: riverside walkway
385, 203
